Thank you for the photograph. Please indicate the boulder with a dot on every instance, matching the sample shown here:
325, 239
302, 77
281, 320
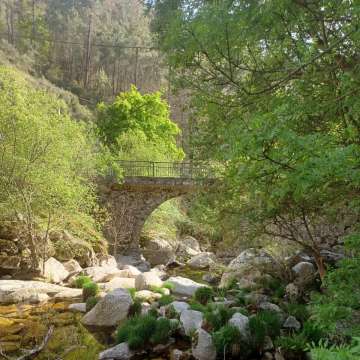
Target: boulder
68, 294
292, 323
69, 247
100, 273
184, 286
158, 251
202, 261
132, 271
211, 278
118, 352
77, 307
159, 271
135, 259
251, 257
188, 247
147, 295
123, 283
177, 354
110, 311
304, 270
191, 320
15, 291
72, 266
146, 280
268, 306
241, 322
39, 298
180, 306
292, 291
55, 271
108, 261
203, 347
191, 242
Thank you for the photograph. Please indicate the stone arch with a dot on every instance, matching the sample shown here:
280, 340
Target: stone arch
132, 202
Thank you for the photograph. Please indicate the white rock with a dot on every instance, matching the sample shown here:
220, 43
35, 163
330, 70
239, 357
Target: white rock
77, 307
146, 280
147, 295
111, 310
191, 320
118, 352
180, 306
108, 261
292, 323
191, 242
72, 266
120, 283
184, 286
39, 298
304, 270
100, 273
242, 323
133, 272
69, 294
202, 261
203, 348
158, 251
55, 271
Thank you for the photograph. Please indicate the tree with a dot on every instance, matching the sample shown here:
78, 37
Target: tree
275, 90
47, 160
138, 127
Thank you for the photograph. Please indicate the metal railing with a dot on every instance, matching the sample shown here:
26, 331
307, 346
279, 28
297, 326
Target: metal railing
182, 170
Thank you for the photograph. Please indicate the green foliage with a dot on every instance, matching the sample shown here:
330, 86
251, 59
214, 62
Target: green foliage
171, 313
132, 292
81, 280
135, 308
225, 338
91, 302
204, 295
158, 289
264, 323
296, 342
334, 352
140, 331
299, 311
166, 300
217, 316
194, 305
168, 285
90, 289
153, 312
138, 127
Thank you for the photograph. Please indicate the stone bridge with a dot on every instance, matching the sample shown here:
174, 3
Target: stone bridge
145, 186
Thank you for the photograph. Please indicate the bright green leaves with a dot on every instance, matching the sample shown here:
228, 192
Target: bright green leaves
138, 127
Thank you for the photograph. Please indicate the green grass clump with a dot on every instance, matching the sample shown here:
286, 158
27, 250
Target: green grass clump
299, 311
293, 343
194, 305
204, 295
265, 323
166, 300
135, 308
90, 289
218, 316
168, 285
132, 293
153, 312
225, 338
91, 302
141, 331
81, 280
158, 289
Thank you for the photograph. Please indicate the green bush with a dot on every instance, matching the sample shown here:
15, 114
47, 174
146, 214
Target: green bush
313, 332
135, 308
299, 311
81, 280
225, 338
158, 289
132, 293
91, 302
265, 323
218, 316
204, 294
168, 285
162, 331
166, 300
90, 289
293, 343
194, 305
342, 352
153, 312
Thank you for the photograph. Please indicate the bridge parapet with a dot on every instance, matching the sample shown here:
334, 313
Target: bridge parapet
158, 169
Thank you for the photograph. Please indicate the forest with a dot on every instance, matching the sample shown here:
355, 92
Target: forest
263, 261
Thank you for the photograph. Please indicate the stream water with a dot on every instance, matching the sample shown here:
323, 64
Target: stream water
24, 326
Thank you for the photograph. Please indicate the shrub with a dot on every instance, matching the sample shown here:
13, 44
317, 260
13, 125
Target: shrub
294, 343
265, 323
153, 312
300, 311
203, 295
91, 302
90, 289
218, 316
135, 308
166, 300
194, 305
168, 285
162, 331
313, 332
80, 281
225, 338
341, 352
132, 293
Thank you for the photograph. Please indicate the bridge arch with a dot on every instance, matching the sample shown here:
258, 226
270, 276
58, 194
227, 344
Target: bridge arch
146, 185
